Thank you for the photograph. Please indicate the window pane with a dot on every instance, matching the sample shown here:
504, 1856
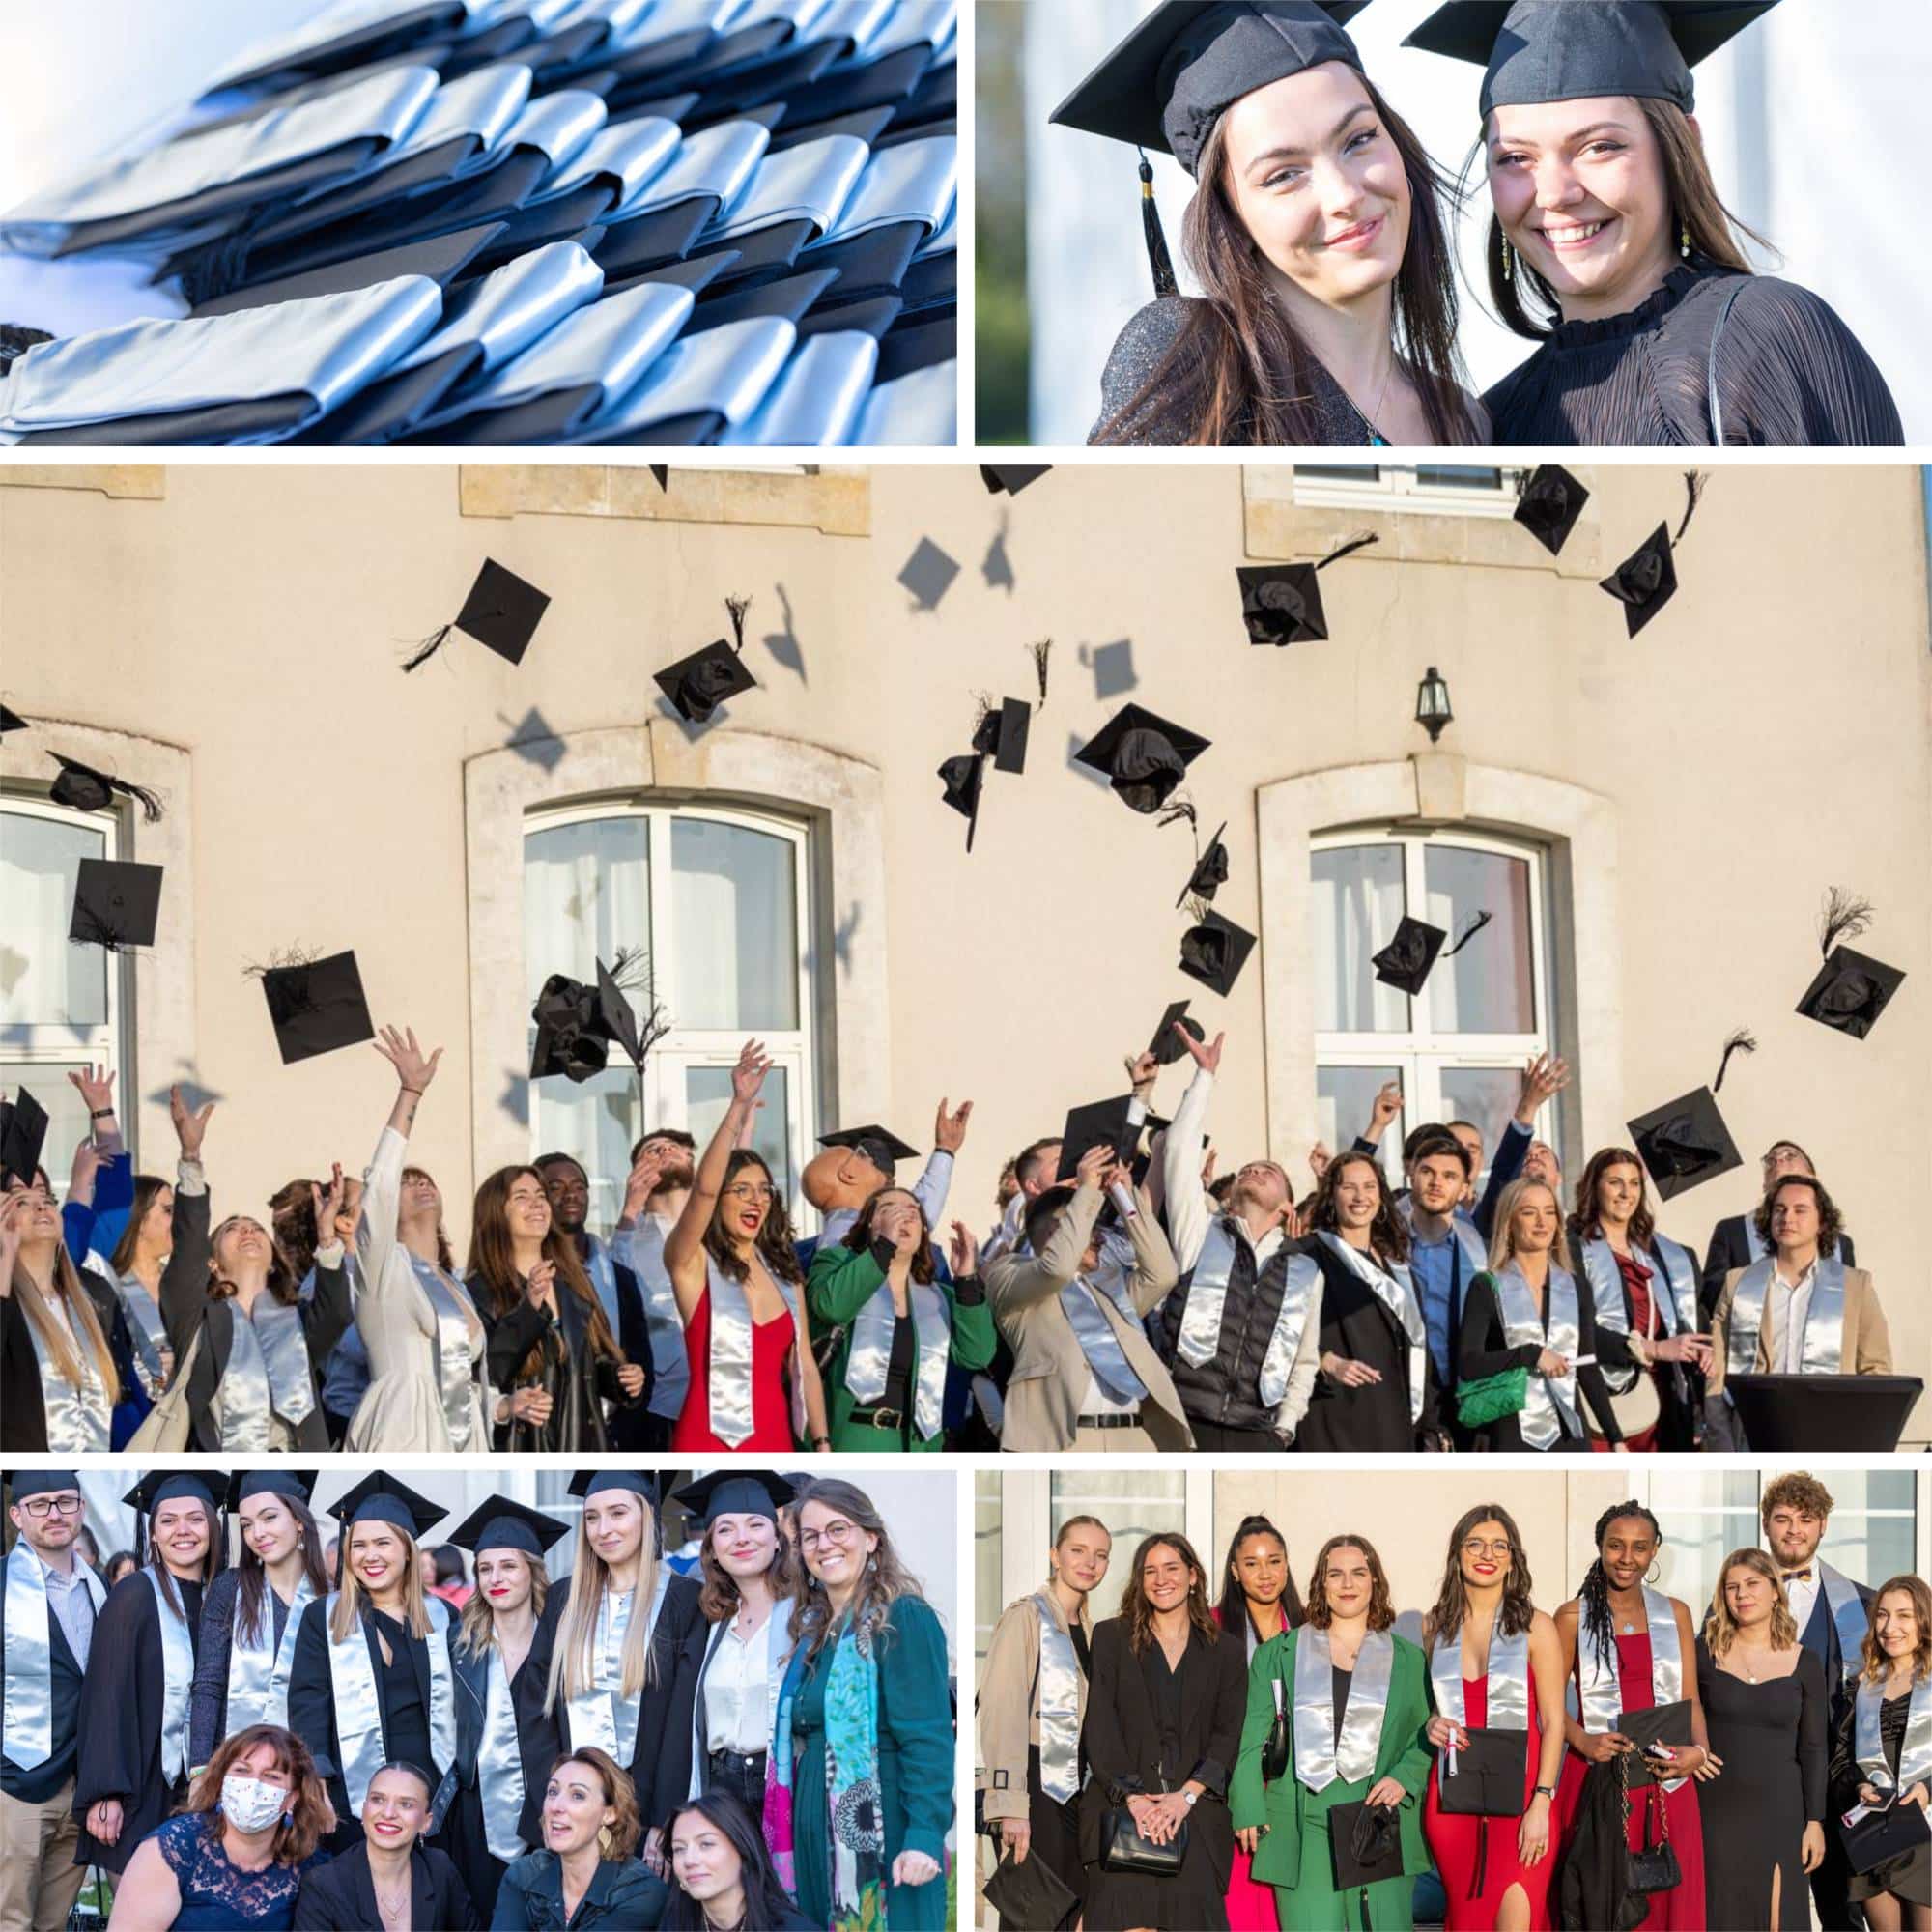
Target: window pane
1358, 904
1132, 1505
1341, 472
988, 1519
733, 900
596, 1124
1486, 1097
1456, 476
1344, 1098
1871, 1547
1705, 1516
1486, 987
707, 1093
67, 1112
45, 980
587, 894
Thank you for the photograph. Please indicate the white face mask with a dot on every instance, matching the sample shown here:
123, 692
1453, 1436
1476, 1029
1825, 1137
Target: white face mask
250, 1805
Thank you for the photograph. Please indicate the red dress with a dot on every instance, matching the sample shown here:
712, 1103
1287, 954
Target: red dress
1477, 1858
771, 1390
1681, 1908
1250, 1903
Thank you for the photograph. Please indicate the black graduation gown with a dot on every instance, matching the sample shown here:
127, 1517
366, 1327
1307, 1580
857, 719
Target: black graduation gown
1373, 1420
23, 1415
122, 1699
541, 1745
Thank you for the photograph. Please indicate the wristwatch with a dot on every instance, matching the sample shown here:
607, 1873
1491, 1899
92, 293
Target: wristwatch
1546, 1791
1191, 1797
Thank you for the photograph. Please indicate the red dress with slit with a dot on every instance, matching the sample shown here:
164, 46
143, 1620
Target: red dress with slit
1477, 1858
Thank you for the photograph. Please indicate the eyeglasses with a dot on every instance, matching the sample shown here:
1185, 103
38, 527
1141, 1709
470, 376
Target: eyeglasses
1476, 1546
839, 1534
39, 1507
742, 1192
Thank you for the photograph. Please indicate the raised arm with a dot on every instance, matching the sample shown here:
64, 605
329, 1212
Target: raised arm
1543, 1078
684, 1245
382, 1180
948, 1136
1155, 1270
1190, 1214
183, 1294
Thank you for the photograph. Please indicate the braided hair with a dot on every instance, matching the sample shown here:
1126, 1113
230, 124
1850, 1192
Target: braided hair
1594, 1597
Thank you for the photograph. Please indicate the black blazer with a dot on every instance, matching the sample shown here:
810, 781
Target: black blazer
1730, 1248
23, 1415
539, 1738
1373, 1419
1483, 1349
338, 1895
580, 1382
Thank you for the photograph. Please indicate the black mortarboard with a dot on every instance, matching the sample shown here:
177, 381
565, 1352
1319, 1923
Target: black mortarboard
1549, 503
1164, 1047
616, 1018
171, 1485
1012, 477
1367, 1842
1684, 1144
735, 1493
317, 1006
633, 1481
1646, 580
1141, 755
498, 1524
116, 903
25, 1482
1211, 870
1281, 602
23, 1133
1003, 734
571, 1037
1030, 1894
10, 721
1214, 952
380, 1499
964, 778
1409, 959
1487, 1779
81, 789
1655, 1724
299, 1484
502, 611
881, 1148
1537, 50
698, 684
1098, 1123
1851, 989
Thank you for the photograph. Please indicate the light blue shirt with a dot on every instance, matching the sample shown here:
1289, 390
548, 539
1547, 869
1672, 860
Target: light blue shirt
1433, 1263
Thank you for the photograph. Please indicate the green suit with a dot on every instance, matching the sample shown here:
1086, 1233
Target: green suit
1294, 1855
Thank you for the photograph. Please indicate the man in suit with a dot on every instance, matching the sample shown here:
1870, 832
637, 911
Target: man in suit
1831, 1612
1085, 1375
1736, 1243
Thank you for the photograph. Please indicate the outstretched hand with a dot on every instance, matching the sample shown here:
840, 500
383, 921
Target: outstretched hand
190, 1123
748, 1077
1207, 1056
415, 1070
948, 1131
1543, 1078
1388, 1104
962, 1252
327, 1206
95, 1086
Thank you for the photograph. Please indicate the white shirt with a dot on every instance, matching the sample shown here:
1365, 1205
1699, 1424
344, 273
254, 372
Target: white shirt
1785, 1307
737, 1693
1800, 1598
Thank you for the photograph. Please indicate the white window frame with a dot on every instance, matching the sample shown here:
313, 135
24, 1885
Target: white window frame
1398, 487
682, 1048
1420, 1054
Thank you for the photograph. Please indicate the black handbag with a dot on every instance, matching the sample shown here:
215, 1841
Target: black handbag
1275, 1749
1122, 1849
1653, 1868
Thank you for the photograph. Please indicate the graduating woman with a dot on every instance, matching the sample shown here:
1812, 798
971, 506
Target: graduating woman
865, 1714
619, 1648
428, 1389
132, 1766
161, 1224
1631, 1648
1317, 235
1332, 1755
899, 1329
586, 1874
551, 1349
1527, 1314
1376, 1392
393, 1877
751, 1576
252, 1614
1495, 1674
372, 1679
506, 1737
722, 1879
754, 1383
1612, 250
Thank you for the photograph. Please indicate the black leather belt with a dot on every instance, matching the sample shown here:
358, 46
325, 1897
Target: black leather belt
1107, 1422
894, 1419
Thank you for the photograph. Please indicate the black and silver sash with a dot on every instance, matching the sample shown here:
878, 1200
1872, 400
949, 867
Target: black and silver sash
728, 1383
663, 1327
78, 1415
1321, 1752
1914, 1751
1058, 1704
604, 1716
27, 1734
268, 1377
1550, 1406
150, 1332
1080, 1303
1506, 1675
258, 1667
177, 1679
1205, 1304
870, 1359
1823, 1347
359, 1710
500, 1762
1394, 1286
1600, 1683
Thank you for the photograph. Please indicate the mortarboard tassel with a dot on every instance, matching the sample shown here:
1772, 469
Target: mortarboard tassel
1040, 652
1476, 925
1694, 495
428, 648
1158, 259
74, 777
1177, 807
1845, 918
738, 605
1349, 549
1739, 1041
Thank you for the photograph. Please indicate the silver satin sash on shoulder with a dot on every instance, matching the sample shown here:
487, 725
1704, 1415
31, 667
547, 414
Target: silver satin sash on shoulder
870, 1359
1080, 1303
1321, 1753
1475, 1257
509, 308
1824, 1341
358, 1709
499, 1763
258, 1667
670, 1364
1848, 1615
729, 1382
78, 1415
1394, 1286
1674, 1264
149, 1330
452, 1343
1914, 1751
177, 1679
1204, 1302
1301, 1293
1601, 1692
1059, 1705
604, 1716
1606, 1299
27, 1734
1550, 1407
268, 1376
1506, 1677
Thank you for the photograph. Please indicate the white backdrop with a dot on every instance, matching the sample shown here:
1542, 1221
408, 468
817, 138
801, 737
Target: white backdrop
1826, 178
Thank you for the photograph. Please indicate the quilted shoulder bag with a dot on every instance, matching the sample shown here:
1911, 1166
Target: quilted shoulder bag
1655, 1867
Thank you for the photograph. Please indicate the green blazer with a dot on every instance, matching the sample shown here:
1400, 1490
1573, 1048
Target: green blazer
841, 1281
1404, 1757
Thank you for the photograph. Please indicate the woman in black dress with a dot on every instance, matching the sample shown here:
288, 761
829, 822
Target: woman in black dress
1767, 1719
1163, 1730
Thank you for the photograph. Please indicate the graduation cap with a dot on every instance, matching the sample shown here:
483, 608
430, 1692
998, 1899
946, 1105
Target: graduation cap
1281, 602
1012, 477
571, 1037
639, 1483
173, 1486
316, 1006
1165, 1048
1484, 1776
1646, 580
116, 903
1142, 756
1002, 734
698, 684
964, 778
23, 1133
10, 721
1684, 1143
735, 1493
1547, 508
1538, 50
1850, 989
882, 1149
1366, 1840
378, 1497
297, 1485
502, 611
616, 1018
1214, 952
1211, 870
499, 1523
1098, 1123
25, 1482
1410, 957
1032, 1893
81, 789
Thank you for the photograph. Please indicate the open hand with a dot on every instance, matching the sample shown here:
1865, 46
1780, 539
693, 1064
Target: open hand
1320, 1160
1543, 1078
749, 1075
1204, 1056
646, 1171
1093, 1166
414, 1068
962, 1252
329, 1206
1142, 1070
948, 1131
1388, 1104
190, 1122
95, 1086
1349, 1372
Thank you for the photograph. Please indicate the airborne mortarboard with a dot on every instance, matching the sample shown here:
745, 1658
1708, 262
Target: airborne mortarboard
499, 1523
1003, 734
1409, 959
964, 779
23, 1133
10, 721
116, 903
1165, 1048
1684, 1143
881, 1148
1098, 1123
1214, 952
1142, 756
81, 789
571, 1037
735, 1492
1646, 580
171, 1485
1211, 870
502, 611
299, 1484
1281, 602
316, 1006
1012, 477
1850, 989
698, 684
1538, 50
639, 1483
616, 1018
1548, 506
378, 1497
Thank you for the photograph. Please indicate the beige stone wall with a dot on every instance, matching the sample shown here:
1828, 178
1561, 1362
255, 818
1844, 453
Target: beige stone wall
1767, 737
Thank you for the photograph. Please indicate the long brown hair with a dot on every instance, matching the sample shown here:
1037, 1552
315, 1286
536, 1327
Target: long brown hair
775, 1239
445, 1258
1720, 1628
858, 1236
1381, 1606
493, 1259
1588, 1225
309, 1817
1240, 372
251, 1575
1387, 1235
146, 1187
881, 1583
283, 1281
1452, 1599
1697, 209
720, 1596
1138, 1613
1874, 1666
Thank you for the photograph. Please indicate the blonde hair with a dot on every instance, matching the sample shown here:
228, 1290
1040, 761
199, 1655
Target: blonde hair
1720, 1628
1502, 1243
346, 1608
478, 1627
572, 1671
54, 1335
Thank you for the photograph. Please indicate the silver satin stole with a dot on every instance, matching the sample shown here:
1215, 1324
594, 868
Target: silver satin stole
177, 1680
1321, 1752
604, 1716
872, 1353
1505, 1673
1466, 1237
1914, 1751
258, 1667
78, 1415
1847, 1613
1058, 1704
269, 1377
27, 1735
1080, 1303
670, 1364
499, 1763
1606, 1298
1824, 1341
359, 1710
451, 1345
1673, 1265
149, 1330
1550, 1406
1394, 1286
1600, 1689
730, 1381
1206, 1299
